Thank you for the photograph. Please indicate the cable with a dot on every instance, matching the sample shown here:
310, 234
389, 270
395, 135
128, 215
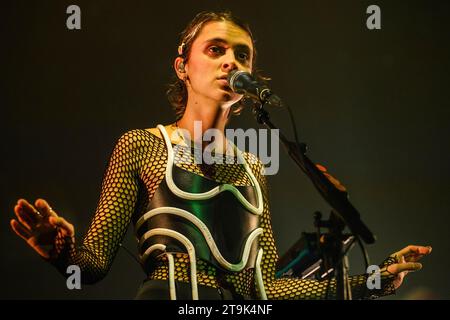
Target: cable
130, 253
294, 126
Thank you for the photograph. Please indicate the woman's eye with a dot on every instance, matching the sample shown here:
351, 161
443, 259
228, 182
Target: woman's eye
242, 56
215, 50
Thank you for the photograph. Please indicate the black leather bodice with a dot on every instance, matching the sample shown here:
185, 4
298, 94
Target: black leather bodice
229, 222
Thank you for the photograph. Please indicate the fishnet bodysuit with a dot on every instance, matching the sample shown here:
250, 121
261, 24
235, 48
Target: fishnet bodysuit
135, 170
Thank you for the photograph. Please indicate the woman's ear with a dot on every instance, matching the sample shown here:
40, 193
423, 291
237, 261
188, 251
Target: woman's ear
180, 68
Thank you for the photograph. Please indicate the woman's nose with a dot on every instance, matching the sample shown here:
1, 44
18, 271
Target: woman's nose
229, 63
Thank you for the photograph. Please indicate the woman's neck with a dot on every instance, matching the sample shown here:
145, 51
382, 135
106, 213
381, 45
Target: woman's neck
205, 117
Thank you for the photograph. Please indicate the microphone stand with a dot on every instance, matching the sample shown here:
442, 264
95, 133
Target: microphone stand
333, 247
336, 198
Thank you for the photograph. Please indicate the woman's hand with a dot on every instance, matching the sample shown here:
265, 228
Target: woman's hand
405, 261
39, 226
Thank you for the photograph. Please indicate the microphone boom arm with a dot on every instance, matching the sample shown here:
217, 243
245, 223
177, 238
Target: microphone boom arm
336, 198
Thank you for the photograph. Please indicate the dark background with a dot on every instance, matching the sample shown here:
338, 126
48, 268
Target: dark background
372, 105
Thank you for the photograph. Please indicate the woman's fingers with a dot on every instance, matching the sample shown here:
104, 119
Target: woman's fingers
20, 230
38, 228
26, 219
413, 252
406, 262
68, 227
63, 224
407, 258
420, 251
25, 234
27, 214
402, 267
415, 257
44, 208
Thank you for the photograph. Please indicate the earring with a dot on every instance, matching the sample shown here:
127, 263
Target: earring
181, 67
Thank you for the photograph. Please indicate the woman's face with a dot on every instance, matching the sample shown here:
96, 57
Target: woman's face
219, 48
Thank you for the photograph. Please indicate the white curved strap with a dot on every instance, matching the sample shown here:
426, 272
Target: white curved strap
259, 277
216, 190
189, 247
206, 234
161, 247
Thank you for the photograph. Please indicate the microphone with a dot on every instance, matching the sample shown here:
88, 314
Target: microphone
244, 83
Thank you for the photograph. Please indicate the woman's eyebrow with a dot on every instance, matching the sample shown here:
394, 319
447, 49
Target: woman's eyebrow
241, 46
216, 40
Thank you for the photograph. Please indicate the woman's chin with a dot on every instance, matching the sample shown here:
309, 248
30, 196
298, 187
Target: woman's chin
230, 98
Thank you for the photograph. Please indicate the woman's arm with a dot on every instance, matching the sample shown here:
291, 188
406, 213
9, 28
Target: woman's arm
393, 269
108, 227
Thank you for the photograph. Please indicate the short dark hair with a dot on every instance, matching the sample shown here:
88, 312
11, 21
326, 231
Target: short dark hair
177, 92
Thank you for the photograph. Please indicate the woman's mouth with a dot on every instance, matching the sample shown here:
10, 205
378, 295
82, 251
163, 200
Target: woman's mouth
223, 81
224, 85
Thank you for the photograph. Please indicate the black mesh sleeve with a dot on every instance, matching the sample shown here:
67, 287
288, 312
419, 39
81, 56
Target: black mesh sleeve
114, 211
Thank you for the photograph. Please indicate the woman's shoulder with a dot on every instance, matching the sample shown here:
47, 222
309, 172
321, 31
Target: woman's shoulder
154, 131
135, 135
146, 135
170, 131
142, 134
251, 158
137, 138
